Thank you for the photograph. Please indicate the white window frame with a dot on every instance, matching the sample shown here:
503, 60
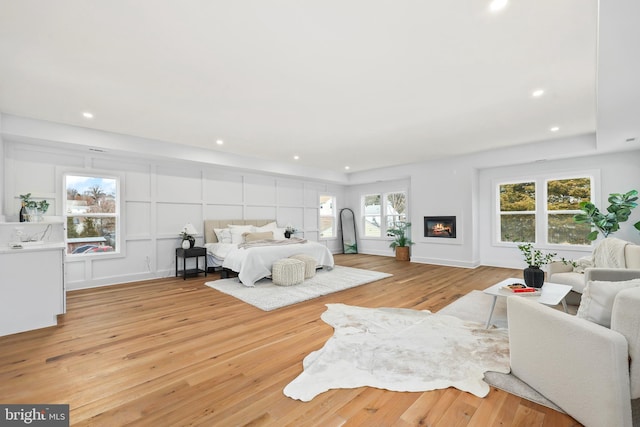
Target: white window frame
541, 213
383, 213
333, 216
119, 249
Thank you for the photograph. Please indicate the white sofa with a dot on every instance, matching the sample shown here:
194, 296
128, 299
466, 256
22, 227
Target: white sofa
627, 258
590, 371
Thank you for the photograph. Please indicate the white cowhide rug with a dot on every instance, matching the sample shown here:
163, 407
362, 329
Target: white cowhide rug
401, 350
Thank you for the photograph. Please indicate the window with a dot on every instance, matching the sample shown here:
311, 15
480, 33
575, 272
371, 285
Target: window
541, 210
563, 202
92, 213
327, 217
517, 212
382, 211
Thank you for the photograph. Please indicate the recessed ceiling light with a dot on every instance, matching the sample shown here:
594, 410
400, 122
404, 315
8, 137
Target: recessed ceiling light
296, 157
497, 5
87, 115
554, 129
537, 93
347, 168
219, 142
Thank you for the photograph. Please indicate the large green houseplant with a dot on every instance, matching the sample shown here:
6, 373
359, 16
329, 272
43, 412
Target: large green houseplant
619, 210
401, 240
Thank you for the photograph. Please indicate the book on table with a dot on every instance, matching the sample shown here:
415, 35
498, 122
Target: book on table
522, 289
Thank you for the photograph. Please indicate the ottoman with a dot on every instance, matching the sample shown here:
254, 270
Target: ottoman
309, 264
287, 272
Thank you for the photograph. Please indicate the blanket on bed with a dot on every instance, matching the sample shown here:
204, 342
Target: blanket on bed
271, 242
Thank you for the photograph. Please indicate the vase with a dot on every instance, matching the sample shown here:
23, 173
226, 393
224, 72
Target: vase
533, 276
402, 253
186, 244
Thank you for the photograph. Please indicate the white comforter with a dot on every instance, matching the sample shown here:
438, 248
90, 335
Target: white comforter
255, 263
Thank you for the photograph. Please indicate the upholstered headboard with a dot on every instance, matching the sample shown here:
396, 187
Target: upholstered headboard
210, 224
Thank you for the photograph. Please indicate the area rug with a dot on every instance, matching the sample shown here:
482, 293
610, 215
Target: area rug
267, 296
475, 306
401, 350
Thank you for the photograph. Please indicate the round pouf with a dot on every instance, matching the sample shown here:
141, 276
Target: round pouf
287, 272
309, 264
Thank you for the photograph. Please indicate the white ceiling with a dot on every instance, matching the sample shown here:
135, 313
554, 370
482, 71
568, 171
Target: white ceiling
363, 83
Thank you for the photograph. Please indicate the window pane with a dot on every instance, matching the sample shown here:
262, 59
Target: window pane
372, 205
566, 194
518, 197
326, 205
563, 230
327, 227
518, 228
396, 203
90, 195
372, 226
88, 234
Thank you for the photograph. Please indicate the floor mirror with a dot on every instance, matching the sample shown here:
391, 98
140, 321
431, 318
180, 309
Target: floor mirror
348, 227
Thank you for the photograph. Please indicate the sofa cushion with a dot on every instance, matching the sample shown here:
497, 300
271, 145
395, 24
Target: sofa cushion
575, 280
597, 300
632, 256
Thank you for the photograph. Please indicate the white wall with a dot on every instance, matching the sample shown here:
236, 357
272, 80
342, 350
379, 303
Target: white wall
618, 173
158, 198
462, 186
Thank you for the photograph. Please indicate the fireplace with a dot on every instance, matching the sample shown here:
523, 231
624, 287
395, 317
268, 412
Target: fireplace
440, 226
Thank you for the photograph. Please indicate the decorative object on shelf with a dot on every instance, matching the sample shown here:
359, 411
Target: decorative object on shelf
289, 230
187, 234
34, 210
535, 258
402, 240
618, 211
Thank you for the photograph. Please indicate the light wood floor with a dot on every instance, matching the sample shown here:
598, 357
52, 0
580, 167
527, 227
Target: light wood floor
169, 352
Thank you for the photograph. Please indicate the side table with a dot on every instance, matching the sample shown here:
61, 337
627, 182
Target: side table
195, 252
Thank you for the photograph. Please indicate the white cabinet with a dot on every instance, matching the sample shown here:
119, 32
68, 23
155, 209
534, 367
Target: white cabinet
31, 288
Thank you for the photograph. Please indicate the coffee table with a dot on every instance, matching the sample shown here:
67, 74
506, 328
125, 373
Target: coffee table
552, 294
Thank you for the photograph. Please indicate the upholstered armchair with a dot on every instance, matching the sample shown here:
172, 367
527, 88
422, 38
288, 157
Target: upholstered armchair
589, 370
609, 254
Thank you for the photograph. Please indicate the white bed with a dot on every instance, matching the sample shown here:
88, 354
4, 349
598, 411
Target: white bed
254, 263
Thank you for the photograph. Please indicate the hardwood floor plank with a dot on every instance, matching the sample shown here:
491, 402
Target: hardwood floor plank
174, 352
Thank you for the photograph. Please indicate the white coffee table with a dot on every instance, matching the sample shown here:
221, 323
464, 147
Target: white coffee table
552, 294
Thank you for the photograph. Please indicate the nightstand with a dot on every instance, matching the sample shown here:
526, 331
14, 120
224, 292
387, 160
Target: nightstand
195, 252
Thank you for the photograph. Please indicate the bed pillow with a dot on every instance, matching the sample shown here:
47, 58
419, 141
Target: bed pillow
269, 227
237, 231
252, 237
597, 300
223, 235
278, 233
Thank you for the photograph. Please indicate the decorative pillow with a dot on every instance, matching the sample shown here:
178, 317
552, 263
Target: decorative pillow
597, 300
278, 233
269, 227
223, 235
237, 231
582, 264
252, 237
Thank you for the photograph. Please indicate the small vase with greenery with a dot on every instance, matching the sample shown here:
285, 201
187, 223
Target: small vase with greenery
535, 258
619, 210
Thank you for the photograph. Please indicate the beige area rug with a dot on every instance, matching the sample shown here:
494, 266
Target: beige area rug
401, 350
267, 296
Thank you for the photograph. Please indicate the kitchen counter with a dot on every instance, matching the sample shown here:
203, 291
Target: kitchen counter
32, 247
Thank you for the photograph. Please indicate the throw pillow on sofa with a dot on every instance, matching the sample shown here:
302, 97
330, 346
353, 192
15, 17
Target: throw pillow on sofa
597, 300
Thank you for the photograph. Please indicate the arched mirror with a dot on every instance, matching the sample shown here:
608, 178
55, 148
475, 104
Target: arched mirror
348, 227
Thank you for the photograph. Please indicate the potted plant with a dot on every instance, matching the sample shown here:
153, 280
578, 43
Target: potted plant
34, 209
618, 211
401, 240
535, 258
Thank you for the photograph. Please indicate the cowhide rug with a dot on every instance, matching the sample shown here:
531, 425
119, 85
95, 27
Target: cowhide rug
401, 350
